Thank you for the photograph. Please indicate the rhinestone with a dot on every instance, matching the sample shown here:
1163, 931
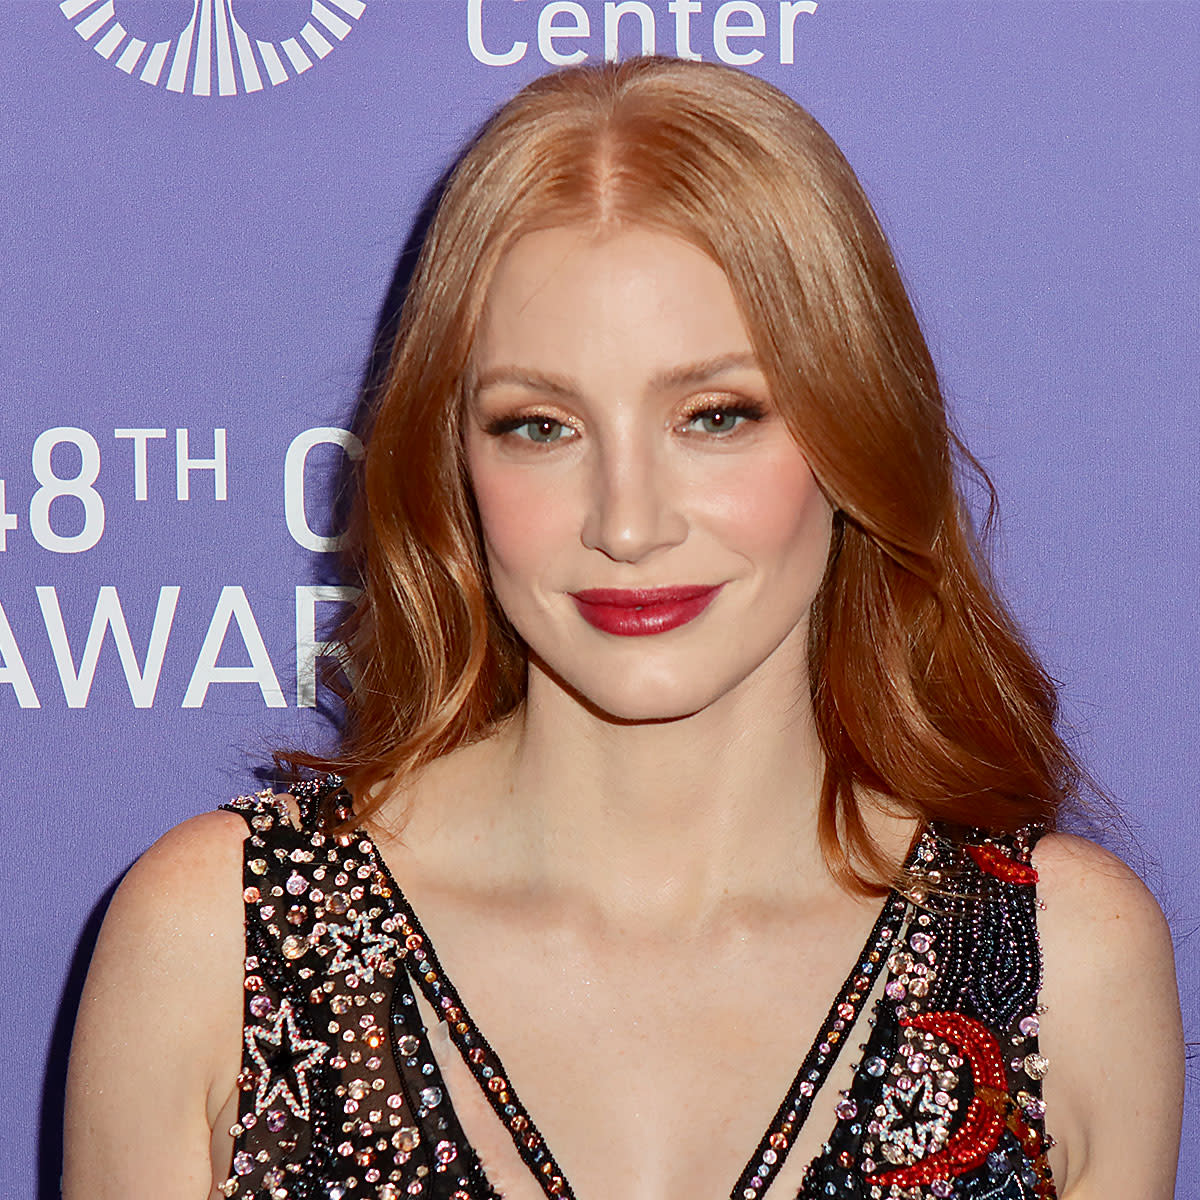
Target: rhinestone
260, 1006
847, 1110
431, 1097
1029, 1026
294, 947
998, 1162
1036, 1066
445, 1152
296, 884
407, 1139
243, 1164
875, 1066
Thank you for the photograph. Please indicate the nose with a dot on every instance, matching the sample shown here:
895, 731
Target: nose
635, 507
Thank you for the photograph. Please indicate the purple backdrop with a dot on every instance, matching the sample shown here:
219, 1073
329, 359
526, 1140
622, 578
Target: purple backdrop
200, 227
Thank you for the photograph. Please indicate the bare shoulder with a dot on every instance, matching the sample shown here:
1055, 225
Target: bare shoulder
1111, 1027
1085, 887
189, 878
195, 858
157, 1039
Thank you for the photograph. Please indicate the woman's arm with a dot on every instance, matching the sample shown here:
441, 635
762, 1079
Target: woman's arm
1112, 1028
157, 1045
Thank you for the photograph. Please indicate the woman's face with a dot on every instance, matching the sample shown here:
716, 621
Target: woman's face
652, 530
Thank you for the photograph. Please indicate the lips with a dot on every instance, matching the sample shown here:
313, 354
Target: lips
638, 612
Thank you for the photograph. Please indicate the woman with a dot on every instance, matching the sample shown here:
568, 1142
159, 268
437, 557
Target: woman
678, 679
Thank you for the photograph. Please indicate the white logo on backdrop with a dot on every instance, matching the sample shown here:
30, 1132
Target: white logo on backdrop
212, 53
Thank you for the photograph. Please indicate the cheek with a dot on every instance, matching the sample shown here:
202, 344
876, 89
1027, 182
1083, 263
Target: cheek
523, 518
774, 511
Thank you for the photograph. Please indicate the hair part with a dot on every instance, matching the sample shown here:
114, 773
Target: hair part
926, 695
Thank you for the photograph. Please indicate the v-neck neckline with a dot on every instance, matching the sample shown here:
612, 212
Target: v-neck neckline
423, 965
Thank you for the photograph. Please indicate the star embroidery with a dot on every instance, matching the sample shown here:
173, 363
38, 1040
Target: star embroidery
361, 949
283, 1059
914, 1121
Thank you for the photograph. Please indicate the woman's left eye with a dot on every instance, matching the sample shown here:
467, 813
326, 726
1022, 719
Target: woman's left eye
722, 419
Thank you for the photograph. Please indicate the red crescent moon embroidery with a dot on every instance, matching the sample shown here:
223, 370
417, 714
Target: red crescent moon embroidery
985, 1118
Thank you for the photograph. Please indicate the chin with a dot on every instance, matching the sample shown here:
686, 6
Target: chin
635, 700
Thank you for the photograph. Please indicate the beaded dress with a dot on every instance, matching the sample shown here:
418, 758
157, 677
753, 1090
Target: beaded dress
341, 1097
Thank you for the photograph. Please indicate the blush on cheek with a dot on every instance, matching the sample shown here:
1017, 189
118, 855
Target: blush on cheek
523, 516
777, 507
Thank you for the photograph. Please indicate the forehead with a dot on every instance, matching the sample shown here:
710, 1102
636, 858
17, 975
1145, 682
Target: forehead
574, 298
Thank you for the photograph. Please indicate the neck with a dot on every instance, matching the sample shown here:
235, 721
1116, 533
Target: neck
663, 823
676, 816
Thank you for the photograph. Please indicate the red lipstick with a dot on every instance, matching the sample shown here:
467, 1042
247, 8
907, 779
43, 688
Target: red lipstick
637, 612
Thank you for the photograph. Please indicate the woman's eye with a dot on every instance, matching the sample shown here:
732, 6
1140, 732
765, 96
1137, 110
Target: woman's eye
723, 420
542, 431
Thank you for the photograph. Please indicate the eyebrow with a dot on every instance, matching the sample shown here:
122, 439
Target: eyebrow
685, 375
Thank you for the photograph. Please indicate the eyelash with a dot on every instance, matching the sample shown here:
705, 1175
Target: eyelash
743, 409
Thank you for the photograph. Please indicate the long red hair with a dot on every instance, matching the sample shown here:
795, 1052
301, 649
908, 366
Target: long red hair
925, 691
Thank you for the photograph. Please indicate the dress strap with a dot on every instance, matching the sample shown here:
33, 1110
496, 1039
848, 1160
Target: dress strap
316, 799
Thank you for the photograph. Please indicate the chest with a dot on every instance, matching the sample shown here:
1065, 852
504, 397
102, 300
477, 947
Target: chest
653, 1071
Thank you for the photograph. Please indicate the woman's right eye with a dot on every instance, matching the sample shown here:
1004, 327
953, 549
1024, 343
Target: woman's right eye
542, 431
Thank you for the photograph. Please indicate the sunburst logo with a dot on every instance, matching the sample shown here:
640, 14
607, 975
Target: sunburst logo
212, 53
